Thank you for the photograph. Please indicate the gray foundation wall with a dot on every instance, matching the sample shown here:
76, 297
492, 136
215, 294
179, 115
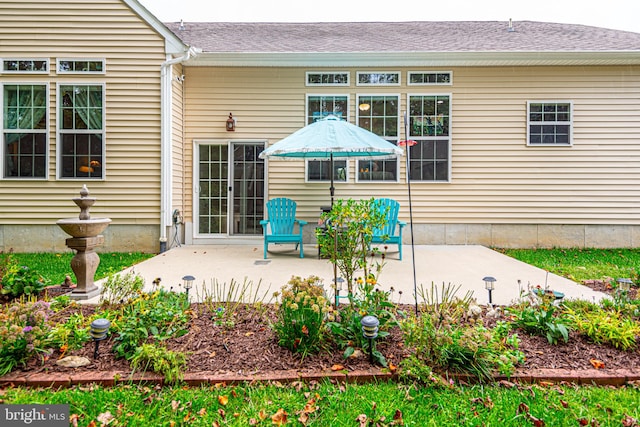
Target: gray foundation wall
50, 238
145, 238
522, 235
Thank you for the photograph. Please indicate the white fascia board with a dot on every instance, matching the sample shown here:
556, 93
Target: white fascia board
172, 44
412, 59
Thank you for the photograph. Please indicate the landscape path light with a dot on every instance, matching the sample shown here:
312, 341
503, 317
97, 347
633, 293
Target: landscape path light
187, 283
624, 284
489, 284
98, 331
370, 331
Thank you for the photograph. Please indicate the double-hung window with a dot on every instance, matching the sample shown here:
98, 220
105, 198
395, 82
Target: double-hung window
429, 117
549, 123
81, 131
379, 114
318, 107
24, 130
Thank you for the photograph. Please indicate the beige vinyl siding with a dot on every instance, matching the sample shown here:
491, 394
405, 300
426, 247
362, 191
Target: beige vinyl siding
130, 193
495, 177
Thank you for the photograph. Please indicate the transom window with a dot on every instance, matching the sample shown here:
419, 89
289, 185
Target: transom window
80, 66
81, 131
378, 79
429, 78
25, 131
429, 117
340, 78
549, 123
25, 66
318, 107
379, 114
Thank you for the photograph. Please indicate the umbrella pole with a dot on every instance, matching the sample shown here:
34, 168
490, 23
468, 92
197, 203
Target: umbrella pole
413, 253
331, 188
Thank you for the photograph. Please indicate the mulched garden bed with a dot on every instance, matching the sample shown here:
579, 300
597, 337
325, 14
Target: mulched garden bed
250, 347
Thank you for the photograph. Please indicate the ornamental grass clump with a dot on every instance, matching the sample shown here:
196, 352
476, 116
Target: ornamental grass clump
300, 325
23, 333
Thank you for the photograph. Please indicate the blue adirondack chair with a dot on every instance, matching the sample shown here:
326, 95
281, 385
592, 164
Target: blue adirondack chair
278, 227
387, 234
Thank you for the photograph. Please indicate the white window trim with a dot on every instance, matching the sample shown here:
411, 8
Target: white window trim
104, 66
59, 129
450, 151
400, 131
409, 73
306, 79
358, 73
570, 123
3, 71
325, 95
46, 131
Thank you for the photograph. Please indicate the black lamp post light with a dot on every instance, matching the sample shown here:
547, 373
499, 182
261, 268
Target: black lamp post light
489, 284
370, 331
187, 283
98, 331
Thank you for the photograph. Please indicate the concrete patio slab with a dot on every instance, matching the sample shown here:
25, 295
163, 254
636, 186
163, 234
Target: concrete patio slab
216, 267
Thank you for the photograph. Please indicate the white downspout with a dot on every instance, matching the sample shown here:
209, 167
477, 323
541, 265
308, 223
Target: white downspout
166, 141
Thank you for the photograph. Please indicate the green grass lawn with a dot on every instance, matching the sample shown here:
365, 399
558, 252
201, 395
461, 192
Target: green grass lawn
326, 404
55, 266
582, 264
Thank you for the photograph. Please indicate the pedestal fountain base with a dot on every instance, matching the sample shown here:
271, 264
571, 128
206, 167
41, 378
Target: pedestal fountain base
84, 265
86, 236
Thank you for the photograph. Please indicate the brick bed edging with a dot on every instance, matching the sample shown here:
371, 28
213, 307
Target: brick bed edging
603, 377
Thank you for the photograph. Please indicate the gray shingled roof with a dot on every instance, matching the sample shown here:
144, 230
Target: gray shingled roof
350, 37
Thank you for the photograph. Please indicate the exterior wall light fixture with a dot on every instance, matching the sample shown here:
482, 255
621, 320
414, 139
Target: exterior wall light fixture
231, 123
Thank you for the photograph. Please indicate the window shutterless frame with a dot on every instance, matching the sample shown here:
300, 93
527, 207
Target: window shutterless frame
327, 78
24, 127
549, 123
81, 131
429, 78
24, 66
378, 78
80, 66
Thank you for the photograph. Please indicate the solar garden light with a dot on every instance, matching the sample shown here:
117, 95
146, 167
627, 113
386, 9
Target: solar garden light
338, 287
489, 284
624, 284
370, 331
188, 284
98, 331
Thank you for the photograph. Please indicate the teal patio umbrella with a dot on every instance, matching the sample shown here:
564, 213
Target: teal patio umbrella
330, 138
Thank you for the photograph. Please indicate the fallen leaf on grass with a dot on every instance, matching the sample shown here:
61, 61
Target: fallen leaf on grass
73, 419
202, 412
106, 418
628, 421
362, 419
223, 400
303, 418
279, 418
598, 364
397, 418
174, 405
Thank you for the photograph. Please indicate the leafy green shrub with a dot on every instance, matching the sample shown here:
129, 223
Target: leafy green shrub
445, 346
301, 316
18, 280
23, 333
606, 327
70, 335
367, 301
159, 359
159, 315
541, 320
119, 288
